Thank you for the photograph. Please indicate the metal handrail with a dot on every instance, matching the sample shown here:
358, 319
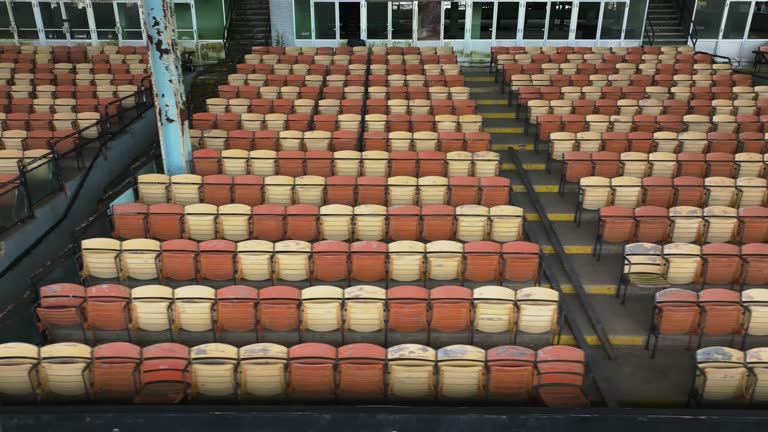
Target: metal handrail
233, 4
650, 31
687, 22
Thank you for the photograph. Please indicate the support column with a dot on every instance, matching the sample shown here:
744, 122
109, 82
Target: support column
167, 85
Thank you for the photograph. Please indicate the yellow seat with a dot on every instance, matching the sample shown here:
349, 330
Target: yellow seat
153, 188
99, 257
537, 310
444, 260
321, 308
185, 189
139, 259
370, 222
495, 310
506, 223
278, 190
336, 222
756, 302
150, 307
364, 309
472, 222
461, 372
193, 308
683, 263
212, 368
432, 190
18, 371
411, 372
254, 260
63, 370
721, 375
406, 260
261, 373
291, 260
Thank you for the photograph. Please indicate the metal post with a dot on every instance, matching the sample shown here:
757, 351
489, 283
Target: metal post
167, 85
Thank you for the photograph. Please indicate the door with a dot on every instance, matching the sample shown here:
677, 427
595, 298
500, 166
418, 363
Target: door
53, 20
324, 23
455, 16
507, 23
78, 24
401, 21
128, 22
6, 22
430, 23
613, 22
105, 21
25, 15
733, 30
534, 22
587, 22
559, 22
481, 27
377, 23
350, 22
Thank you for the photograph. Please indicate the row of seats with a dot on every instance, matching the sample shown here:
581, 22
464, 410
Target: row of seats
296, 163
306, 50
631, 192
347, 59
101, 91
652, 266
338, 140
359, 92
283, 190
354, 71
561, 49
66, 81
109, 104
412, 79
18, 126
646, 70
595, 93
577, 165
663, 142
296, 260
251, 315
64, 53
683, 224
133, 63
310, 223
633, 107
171, 373
574, 123
710, 312
558, 78
728, 376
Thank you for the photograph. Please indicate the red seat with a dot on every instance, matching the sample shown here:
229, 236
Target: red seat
510, 373
228, 121
129, 220
576, 165
722, 264
265, 140
432, 163
301, 222
340, 190
403, 163
360, 372
278, 310
115, 371
560, 377
236, 309
691, 164
165, 221
319, 163
755, 256
217, 260
163, 374
494, 191
408, 308
248, 189
675, 313
61, 305
754, 225
438, 222
451, 310
652, 224
689, 191
720, 165
268, 222
107, 308
368, 261
217, 189
330, 261
404, 223
617, 225
206, 162
606, 164
658, 191
482, 261
371, 190
464, 190
311, 371
521, 261
178, 260
722, 313
722, 142
753, 142
616, 142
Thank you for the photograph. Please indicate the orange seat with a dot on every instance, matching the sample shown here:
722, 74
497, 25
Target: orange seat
403, 163
451, 312
360, 372
330, 261
340, 190
163, 374
755, 256
691, 164
206, 162
278, 312
290, 163
652, 224
438, 222
408, 308
301, 222
319, 163
107, 308
658, 191
481, 261
510, 373
371, 190
115, 371
248, 189
464, 190
617, 225
165, 221
521, 261
311, 371
268, 222
722, 313
494, 191
236, 309
216, 260
689, 191
754, 224
560, 377
178, 260
61, 306
676, 313
129, 220
722, 264
404, 223
217, 189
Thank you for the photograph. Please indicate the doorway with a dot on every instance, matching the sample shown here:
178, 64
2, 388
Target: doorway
349, 20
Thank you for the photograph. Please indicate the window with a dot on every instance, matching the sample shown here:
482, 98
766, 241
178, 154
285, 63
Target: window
559, 20
79, 27
184, 21
736, 20
586, 23
635, 19
429, 21
402, 20
454, 17
758, 29
507, 16
482, 20
613, 20
325, 20
25, 20
104, 16
302, 19
130, 21
535, 20
709, 14
210, 19
53, 22
377, 20
5, 24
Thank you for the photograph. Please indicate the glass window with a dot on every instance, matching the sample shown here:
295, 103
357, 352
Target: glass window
377, 20
586, 23
454, 19
402, 20
349, 20
482, 20
130, 21
736, 20
302, 19
210, 19
325, 20
429, 21
635, 19
709, 14
53, 22
613, 20
758, 29
25, 20
79, 28
559, 20
535, 20
184, 28
506, 20
104, 16
5, 23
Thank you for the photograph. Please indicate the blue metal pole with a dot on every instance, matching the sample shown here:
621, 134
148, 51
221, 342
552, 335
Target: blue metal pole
167, 85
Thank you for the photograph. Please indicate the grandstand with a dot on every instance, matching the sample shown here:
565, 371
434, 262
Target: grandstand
559, 207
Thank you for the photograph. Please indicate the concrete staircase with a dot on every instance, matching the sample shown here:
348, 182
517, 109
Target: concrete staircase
665, 17
249, 27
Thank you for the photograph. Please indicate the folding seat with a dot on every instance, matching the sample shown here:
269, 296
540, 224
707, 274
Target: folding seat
309, 190
115, 371
236, 311
302, 222
60, 311
138, 259
311, 371
370, 190
617, 225
626, 191
193, 310
560, 374
753, 142
213, 368
347, 163
99, 258
247, 189
720, 165
644, 267
676, 313
278, 312
594, 193
178, 260
689, 191
749, 165
63, 370
360, 372
684, 263
510, 373
720, 191
129, 220
164, 376
291, 260
722, 313
185, 189
753, 223
200, 221
482, 261
461, 372
153, 188
330, 261
634, 164
751, 190
687, 224
217, 260
335, 222
721, 224
451, 321
368, 261
411, 372
278, 190
165, 221
691, 164
262, 162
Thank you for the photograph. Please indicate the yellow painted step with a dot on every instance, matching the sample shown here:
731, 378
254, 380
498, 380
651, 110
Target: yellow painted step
502, 147
499, 115
570, 249
491, 101
504, 130
527, 166
554, 217
633, 340
591, 289
478, 79
537, 188
492, 89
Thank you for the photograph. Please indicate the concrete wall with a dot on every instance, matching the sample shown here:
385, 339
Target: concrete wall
281, 16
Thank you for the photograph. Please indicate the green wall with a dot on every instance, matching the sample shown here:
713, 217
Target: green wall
210, 19
303, 19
